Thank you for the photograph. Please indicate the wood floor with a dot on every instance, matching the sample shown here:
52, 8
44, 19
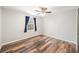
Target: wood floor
39, 44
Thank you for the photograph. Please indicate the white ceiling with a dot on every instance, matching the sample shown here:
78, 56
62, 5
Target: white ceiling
30, 9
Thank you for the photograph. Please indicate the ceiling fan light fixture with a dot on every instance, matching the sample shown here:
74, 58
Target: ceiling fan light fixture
42, 14
43, 11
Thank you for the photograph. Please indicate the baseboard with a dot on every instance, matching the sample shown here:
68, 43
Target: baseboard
18, 40
35, 36
61, 39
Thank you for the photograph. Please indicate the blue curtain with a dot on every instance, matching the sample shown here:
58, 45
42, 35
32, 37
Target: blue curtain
26, 22
35, 24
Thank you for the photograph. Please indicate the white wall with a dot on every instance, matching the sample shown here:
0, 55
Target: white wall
0, 28
61, 25
13, 26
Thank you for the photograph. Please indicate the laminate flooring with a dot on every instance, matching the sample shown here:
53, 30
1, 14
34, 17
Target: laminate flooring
39, 44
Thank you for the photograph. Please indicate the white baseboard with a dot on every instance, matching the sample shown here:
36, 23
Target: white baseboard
16, 40
37, 35
10, 42
62, 39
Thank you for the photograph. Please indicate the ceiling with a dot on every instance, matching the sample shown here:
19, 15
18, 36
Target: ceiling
30, 9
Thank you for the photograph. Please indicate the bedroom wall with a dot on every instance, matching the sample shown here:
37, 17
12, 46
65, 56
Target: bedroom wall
61, 25
0, 28
51, 25
13, 26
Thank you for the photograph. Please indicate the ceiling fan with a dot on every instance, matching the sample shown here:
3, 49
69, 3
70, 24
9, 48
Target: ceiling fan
43, 11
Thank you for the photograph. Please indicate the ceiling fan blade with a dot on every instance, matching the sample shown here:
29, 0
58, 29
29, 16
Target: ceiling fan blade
48, 12
37, 11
